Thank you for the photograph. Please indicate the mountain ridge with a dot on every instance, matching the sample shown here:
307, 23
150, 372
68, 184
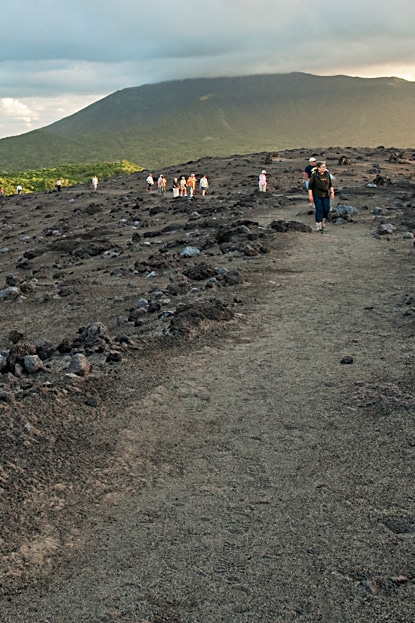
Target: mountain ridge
159, 124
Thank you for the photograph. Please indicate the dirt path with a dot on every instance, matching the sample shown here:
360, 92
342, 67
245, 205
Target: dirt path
264, 480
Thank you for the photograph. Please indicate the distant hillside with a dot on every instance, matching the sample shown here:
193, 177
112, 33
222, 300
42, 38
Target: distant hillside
161, 124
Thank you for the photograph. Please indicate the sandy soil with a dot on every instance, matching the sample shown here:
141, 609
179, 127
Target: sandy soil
231, 466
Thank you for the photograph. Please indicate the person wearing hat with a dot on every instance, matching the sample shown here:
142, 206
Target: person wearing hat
308, 170
262, 182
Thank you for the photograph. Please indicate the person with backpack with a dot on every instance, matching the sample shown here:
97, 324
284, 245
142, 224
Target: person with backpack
320, 191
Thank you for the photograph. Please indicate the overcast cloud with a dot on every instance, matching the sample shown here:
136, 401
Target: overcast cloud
56, 58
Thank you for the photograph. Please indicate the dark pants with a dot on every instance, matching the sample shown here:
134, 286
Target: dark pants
322, 205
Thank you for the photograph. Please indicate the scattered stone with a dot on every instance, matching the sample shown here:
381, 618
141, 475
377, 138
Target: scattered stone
19, 351
114, 355
178, 286
10, 292
200, 271
33, 364
15, 336
91, 401
79, 365
190, 252
344, 160
282, 226
121, 321
344, 210
346, 360
382, 181
142, 303
385, 229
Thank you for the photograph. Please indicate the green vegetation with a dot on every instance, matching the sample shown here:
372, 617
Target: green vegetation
171, 122
70, 174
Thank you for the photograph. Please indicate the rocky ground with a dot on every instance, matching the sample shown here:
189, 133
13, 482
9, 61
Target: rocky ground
206, 407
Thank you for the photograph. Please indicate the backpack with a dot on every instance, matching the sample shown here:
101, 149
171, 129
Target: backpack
316, 181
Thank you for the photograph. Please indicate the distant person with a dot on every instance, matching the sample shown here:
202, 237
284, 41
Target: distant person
262, 181
191, 184
182, 187
176, 187
94, 183
160, 183
320, 191
150, 182
19, 189
203, 185
1, 193
59, 185
308, 170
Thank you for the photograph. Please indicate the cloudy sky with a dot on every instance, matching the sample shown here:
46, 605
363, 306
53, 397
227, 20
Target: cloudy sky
56, 58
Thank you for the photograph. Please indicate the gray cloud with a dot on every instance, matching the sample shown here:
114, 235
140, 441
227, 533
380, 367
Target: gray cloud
86, 47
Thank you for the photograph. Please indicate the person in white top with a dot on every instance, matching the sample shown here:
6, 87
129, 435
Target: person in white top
204, 185
262, 182
150, 182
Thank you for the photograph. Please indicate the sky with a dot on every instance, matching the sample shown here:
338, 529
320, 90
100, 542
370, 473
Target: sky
57, 58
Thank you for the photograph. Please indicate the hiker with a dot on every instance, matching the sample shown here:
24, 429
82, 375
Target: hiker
150, 182
308, 171
320, 191
94, 183
19, 189
58, 185
262, 182
182, 187
191, 184
176, 187
203, 185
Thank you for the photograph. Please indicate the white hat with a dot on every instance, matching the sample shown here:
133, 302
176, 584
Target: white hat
263, 171
312, 159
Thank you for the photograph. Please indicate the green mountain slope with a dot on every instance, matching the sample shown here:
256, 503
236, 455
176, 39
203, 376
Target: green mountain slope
160, 124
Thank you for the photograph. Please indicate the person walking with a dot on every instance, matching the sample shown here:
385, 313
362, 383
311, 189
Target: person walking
94, 183
182, 186
320, 191
191, 184
203, 185
19, 189
308, 171
262, 181
150, 182
59, 185
176, 187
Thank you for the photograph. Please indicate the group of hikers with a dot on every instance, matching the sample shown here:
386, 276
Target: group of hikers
318, 182
181, 187
319, 185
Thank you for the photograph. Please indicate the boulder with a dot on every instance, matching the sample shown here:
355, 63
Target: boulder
79, 365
